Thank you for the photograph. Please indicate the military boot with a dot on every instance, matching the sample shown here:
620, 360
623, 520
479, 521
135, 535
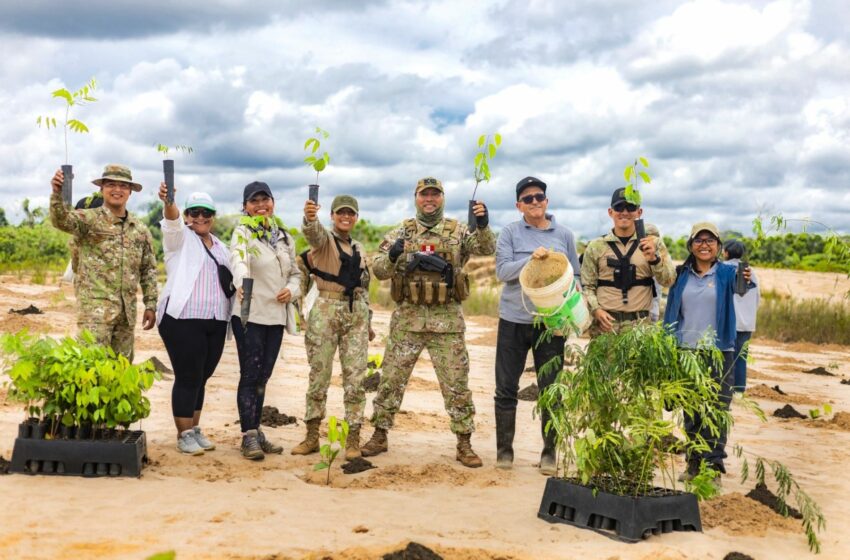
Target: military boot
352, 444
465, 454
376, 445
266, 445
311, 442
505, 427
548, 465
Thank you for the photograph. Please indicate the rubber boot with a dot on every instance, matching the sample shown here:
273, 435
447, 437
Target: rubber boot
311, 442
352, 444
465, 455
376, 445
505, 428
547, 456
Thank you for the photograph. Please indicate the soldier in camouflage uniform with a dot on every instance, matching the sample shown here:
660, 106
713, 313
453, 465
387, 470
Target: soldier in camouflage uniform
115, 252
425, 258
339, 318
618, 274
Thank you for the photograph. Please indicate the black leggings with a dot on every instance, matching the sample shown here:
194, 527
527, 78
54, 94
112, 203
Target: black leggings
258, 350
194, 347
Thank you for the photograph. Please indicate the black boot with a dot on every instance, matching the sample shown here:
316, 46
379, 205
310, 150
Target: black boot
547, 456
505, 427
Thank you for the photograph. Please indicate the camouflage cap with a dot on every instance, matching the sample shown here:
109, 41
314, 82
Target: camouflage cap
117, 172
703, 226
344, 201
429, 183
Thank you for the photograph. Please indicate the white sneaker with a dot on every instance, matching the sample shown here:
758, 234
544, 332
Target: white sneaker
202, 440
187, 444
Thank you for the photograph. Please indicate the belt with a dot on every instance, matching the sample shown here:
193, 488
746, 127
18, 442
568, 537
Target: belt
628, 315
332, 295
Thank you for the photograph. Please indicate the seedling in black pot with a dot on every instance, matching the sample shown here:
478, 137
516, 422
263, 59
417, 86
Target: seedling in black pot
168, 167
481, 170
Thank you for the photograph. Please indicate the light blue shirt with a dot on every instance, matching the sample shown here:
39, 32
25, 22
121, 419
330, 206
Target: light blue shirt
516, 242
698, 314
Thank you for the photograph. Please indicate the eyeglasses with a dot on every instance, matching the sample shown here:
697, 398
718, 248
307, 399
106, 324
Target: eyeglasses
709, 241
625, 207
529, 198
195, 212
117, 186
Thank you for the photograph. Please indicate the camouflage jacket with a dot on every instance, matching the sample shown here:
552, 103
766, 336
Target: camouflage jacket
430, 318
115, 256
595, 267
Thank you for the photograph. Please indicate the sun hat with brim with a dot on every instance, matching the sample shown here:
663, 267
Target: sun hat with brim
200, 200
704, 226
117, 172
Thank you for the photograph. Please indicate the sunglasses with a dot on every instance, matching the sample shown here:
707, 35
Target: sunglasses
626, 207
195, 212
529, 198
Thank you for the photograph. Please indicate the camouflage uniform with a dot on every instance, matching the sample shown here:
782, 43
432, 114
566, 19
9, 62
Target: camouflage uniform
595, 267
438, 327
332, 323
115, 256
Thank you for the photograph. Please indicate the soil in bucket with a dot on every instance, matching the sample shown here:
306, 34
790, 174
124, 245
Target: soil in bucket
543, 272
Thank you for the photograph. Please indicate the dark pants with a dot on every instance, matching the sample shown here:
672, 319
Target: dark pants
258, 349
194, 347
513, 342
740, 369
693, 425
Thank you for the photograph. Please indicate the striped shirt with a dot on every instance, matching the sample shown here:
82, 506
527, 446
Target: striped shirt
207, 300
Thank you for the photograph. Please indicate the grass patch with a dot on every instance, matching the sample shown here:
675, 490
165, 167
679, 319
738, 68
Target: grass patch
820, 321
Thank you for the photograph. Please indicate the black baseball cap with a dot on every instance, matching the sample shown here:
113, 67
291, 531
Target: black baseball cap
619, 197
529, 182
255, 188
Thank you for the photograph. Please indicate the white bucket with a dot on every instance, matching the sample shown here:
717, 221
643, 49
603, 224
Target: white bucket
558, 302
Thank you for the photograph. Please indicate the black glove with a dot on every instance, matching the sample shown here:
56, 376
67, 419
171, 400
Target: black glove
482, 221
396, 250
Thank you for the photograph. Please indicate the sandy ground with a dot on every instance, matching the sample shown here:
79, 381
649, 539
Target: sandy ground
220, 506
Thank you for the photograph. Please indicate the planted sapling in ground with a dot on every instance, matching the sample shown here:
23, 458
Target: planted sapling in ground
337, 437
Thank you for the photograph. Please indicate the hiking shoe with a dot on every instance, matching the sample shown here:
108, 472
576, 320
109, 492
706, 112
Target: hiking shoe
547, 462
266, 445
376, 445
251, 446
311, 441
465, 455
187, 444
352, 444
202, 440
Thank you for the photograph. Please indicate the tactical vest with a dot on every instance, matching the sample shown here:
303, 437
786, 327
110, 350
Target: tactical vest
625, 273
424, 287
349, 275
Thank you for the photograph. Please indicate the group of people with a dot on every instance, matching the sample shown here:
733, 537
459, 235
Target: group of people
423, 258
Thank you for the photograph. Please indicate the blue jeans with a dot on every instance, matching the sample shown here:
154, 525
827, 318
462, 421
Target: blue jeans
740, 368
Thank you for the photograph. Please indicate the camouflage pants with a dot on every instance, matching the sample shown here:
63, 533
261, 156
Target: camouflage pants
451, 364
331, 324
618, 326
117, 333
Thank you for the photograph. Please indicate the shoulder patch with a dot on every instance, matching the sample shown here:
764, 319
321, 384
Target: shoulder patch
384, 246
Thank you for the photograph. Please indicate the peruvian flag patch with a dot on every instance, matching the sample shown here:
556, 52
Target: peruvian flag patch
428, 249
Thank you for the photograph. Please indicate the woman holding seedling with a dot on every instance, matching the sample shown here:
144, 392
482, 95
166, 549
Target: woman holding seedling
701, 312
262, 255
194, 309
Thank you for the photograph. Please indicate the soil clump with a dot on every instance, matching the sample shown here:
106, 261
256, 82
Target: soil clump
819, 371
738, 556
370, 384
739, 515
778, 390
357, 465
530, 393
841, 420
762, 391
31, 310
788, 411
271, 417
845, 381
763, 495
413, 551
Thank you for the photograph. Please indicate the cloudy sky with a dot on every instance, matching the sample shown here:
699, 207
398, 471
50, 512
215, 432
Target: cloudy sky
741, 107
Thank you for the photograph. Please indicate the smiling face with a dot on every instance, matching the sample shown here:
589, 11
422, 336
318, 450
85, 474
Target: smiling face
624, 215
705, 247
260, 205
115, 194
429, 200
199, 220
344, 219
532, 203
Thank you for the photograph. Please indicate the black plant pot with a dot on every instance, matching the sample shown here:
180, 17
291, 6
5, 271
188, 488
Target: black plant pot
168, 171
67, 192
626, 518
67, 432
24, 430
39, 430
84, 431
313, 193
471, 220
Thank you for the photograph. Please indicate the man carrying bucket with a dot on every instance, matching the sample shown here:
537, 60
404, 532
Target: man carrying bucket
520, 242
619, 272
424, 258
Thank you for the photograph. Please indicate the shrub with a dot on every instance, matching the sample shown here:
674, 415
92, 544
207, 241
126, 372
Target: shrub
820, 321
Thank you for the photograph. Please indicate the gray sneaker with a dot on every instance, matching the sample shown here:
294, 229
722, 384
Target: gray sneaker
251, 446
202, 440
266, 445
187, 444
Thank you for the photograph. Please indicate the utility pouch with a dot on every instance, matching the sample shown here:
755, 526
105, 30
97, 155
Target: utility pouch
442, 292
397, 288
428, 299
461, 286
414, 291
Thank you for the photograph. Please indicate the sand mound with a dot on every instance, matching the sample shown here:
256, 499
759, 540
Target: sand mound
762, 391
409, 421
406, 476
13, 323
739, 515
380, 552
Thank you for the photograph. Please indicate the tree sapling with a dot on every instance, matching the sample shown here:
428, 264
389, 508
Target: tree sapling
337, 437
168, 166
481, 168
316, 162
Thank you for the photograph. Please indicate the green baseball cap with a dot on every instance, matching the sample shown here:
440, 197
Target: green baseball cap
200, 200
344, 201
429, 183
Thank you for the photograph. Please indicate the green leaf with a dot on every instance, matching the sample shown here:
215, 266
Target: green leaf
627, 173
64, 94
481, 140
478, 158
319, 165
498, 139
645, 176
77, 126
320, 466
643, 161
310, 160
169, 555
491, 149
327, 158
827, 408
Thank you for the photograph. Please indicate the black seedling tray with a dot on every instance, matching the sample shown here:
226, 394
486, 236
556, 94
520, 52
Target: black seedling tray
624, 518
115, 456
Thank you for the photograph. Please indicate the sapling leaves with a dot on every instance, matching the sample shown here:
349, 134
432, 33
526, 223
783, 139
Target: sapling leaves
337, 438
481, 162
317, 163
79, 97
631, 173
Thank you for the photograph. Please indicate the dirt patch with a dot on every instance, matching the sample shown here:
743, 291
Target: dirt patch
757, 374
530, 393
4, 465
788, 411
357, 465
840, 421
488, 338
15, 323
31, 310
419, 384
763, 495
413, 551
407, 476
381, 552
409, 421
273, 418
371, 382
739, 515
762, 391
819, 371
738, 556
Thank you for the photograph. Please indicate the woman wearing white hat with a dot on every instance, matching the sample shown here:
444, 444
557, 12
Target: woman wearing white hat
194, 309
